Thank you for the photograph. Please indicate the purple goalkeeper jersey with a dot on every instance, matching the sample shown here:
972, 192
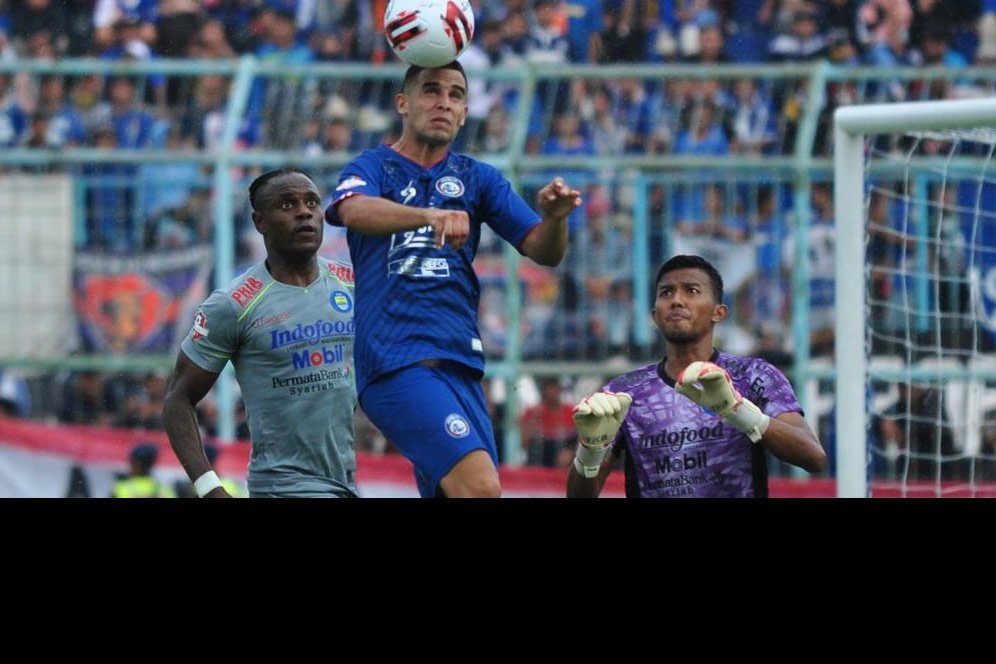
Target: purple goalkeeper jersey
678, 449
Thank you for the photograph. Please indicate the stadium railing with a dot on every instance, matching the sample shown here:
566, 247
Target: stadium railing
649, 193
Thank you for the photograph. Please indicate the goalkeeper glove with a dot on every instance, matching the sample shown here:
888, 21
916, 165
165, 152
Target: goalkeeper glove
710, 386
598, 419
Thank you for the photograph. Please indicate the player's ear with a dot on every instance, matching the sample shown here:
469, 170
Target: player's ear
401, 103
653, 316
720, 312
257, 221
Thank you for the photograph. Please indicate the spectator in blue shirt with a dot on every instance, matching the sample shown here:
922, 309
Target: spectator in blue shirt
584, 30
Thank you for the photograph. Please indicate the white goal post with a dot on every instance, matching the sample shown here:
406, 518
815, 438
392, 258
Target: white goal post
852, 125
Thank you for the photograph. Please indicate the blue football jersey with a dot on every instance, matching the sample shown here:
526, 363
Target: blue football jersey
413, 301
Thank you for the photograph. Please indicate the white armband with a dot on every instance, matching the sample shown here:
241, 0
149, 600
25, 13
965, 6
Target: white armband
206, 483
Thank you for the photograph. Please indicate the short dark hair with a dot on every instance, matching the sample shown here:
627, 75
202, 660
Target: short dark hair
414, 70
683, 261
269, 175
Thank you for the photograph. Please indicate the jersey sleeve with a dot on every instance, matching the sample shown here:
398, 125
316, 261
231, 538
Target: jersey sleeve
359, 178
213, 338
503, 209
772, 392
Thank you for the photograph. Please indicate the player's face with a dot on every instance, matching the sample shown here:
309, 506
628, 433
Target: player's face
435, 106
289, 215
685, 308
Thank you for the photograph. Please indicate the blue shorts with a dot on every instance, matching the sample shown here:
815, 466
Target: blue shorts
434, 415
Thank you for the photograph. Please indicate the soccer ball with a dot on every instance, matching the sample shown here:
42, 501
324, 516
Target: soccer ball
429, 33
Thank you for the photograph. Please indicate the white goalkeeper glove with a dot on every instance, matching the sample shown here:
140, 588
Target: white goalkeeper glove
710, 386
598, 419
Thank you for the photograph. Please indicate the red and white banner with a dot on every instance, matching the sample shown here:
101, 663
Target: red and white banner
36, 461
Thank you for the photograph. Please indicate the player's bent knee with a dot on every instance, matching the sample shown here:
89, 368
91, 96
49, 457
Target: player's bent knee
474, 476
475, 487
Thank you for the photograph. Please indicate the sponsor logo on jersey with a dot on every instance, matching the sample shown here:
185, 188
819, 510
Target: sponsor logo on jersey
457, 426
343, 273
311, 333
676, 439
352, 182
450, 186
686, 462
682, 485
417, 266
267, 321
316, 381
341, 301
246, 291
312, 357
408, 192
199, 330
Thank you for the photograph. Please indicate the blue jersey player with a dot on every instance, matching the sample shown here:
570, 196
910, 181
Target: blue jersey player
413, 213
697, 423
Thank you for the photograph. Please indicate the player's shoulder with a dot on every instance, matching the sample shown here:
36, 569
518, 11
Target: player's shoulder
377, 152
633, 379
464, 163
223, 309
245, 288
339, 270
745, 365
366, 160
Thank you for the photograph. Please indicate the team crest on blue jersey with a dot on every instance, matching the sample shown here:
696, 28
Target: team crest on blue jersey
450, 186
456, 426
341, 301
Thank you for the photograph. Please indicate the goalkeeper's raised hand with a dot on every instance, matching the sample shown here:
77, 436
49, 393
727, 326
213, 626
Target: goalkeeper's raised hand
709, 385
598, 419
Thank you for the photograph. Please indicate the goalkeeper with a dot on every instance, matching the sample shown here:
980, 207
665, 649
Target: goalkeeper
697, 423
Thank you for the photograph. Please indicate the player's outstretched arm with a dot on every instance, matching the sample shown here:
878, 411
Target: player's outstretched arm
546, 243
187, 387
788, 437
597, 419
372, 215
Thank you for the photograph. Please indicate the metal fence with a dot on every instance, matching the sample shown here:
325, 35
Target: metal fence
724, 161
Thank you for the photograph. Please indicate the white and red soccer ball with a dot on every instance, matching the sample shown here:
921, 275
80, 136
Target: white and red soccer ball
429, 33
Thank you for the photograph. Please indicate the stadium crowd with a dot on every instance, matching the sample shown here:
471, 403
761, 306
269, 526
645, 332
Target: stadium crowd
587, 306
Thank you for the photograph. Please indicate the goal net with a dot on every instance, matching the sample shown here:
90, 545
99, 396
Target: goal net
915, 195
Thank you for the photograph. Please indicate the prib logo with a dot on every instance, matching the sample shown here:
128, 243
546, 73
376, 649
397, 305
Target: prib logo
246, 291
306, 358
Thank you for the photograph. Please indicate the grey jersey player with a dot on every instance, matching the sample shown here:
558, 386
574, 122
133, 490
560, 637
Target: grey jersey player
286, 325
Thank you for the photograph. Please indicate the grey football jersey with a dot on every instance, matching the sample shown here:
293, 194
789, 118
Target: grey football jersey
292, 349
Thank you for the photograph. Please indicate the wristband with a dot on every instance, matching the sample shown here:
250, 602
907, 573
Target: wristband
588, 460
206, 483
749, 419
